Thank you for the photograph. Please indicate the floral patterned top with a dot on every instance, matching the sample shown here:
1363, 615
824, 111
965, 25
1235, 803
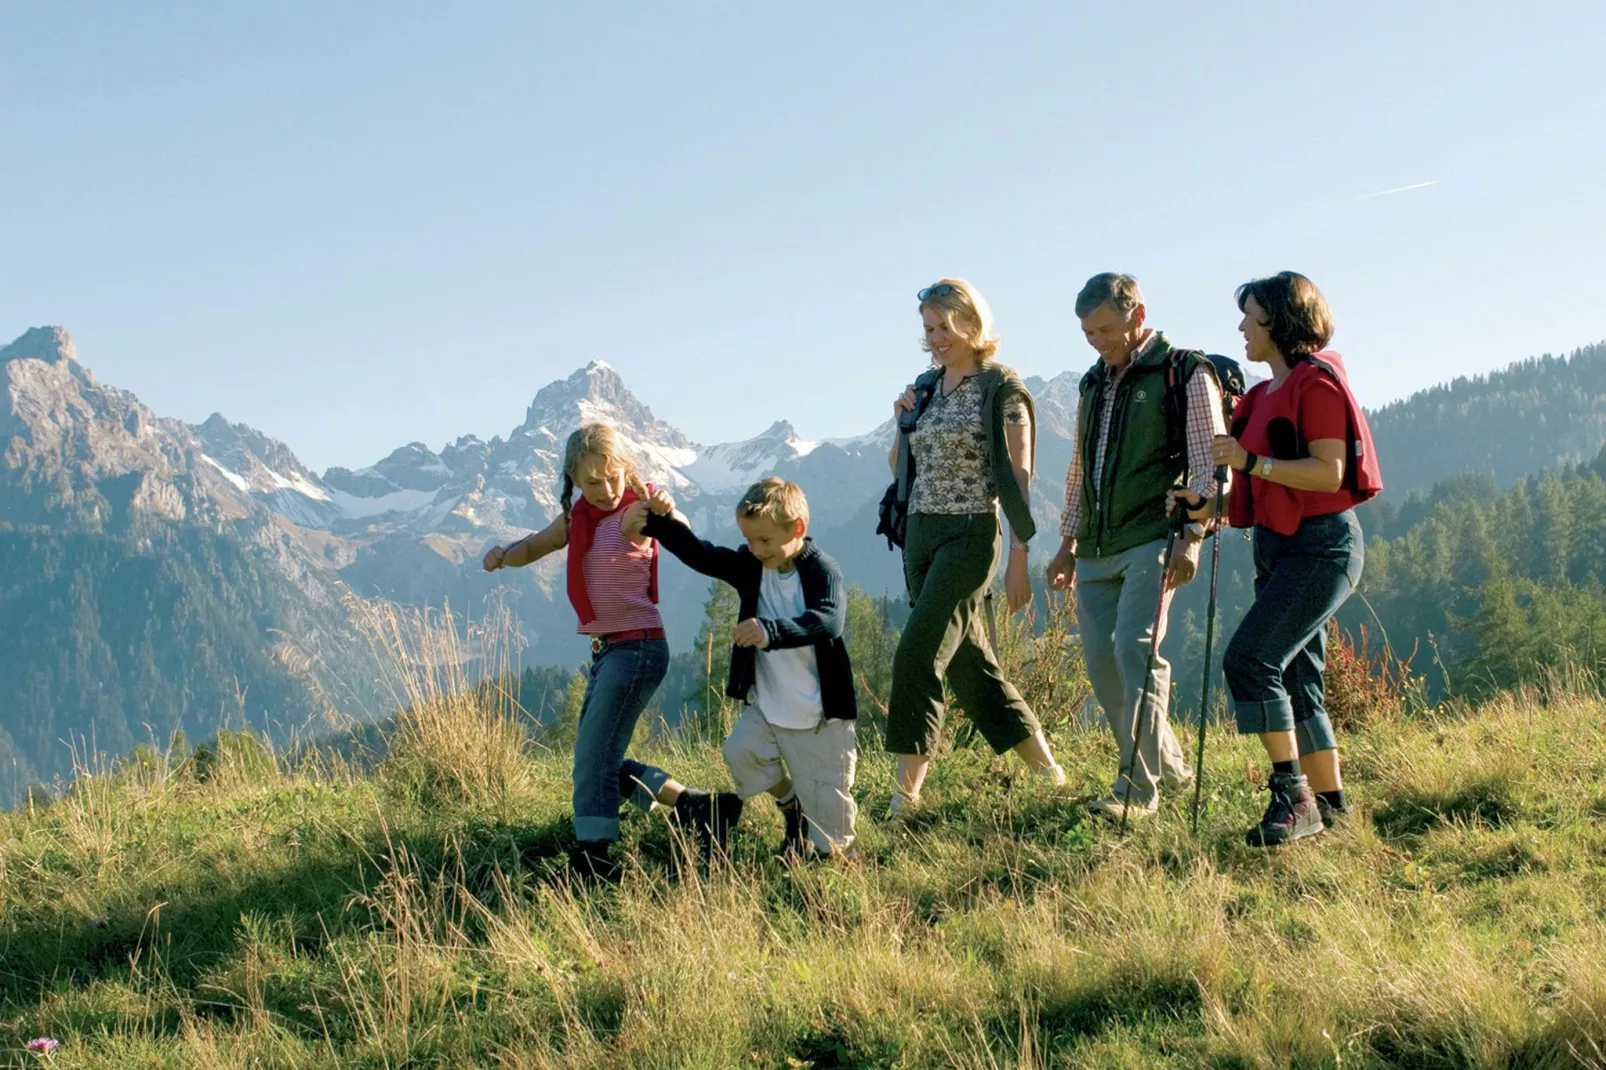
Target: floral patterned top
949, 445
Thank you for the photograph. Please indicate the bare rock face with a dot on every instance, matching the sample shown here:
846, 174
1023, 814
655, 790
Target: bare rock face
84, 454
151, 579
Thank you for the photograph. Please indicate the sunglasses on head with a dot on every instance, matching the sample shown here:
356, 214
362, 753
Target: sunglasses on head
942, 289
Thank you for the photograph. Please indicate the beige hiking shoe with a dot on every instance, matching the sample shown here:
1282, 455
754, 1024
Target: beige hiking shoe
1110, 809
902, 807
1051, 773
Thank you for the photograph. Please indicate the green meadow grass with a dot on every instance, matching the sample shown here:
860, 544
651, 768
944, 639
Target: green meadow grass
247, 913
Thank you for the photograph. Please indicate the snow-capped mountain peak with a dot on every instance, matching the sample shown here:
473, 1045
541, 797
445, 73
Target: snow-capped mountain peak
733, 466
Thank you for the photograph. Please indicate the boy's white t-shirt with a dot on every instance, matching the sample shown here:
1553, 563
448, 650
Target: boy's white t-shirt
788, 687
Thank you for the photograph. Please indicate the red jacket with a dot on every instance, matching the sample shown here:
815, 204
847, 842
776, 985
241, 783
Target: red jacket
583, 520
1257, 501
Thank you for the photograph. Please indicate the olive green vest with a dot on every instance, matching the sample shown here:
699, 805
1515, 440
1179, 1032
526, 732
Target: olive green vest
1124, 505
998, 382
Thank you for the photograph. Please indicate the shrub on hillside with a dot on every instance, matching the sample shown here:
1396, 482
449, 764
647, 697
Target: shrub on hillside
1363, 688
1046, 666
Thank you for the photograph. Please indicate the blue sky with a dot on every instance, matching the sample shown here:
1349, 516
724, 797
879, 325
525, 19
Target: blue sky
356, 225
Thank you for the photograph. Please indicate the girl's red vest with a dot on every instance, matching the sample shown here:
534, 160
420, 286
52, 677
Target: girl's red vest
1280, 505
583, 520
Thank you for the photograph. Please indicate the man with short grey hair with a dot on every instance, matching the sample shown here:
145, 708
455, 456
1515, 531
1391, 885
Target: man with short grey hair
1128, 453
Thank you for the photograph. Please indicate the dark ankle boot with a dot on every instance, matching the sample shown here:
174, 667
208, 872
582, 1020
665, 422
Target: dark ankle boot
710, 817
796, 841
590, 862
1291, 814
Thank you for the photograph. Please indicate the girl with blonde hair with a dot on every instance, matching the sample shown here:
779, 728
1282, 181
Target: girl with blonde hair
613, 585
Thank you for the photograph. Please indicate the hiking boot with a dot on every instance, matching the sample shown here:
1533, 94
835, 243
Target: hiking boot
1291, 814
725, 812
796, 841
1333, 816
1051, 773
710, 817
1178, 785
1110, 808
589, 863
902, 807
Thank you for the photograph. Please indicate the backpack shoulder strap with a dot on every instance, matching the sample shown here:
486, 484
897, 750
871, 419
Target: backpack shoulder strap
1180, 367
925, 389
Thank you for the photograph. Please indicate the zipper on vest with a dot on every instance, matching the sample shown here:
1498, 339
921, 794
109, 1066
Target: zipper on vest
1112, 454
1090, 478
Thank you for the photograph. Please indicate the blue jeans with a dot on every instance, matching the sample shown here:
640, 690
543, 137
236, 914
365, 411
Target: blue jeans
623, 678
1275, 661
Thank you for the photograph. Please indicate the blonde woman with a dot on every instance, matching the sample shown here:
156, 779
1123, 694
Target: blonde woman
971, 435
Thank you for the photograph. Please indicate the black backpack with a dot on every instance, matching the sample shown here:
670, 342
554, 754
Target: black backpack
893, 513
1229, 375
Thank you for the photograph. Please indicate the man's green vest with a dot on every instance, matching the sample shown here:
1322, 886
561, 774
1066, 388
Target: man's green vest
1124, 505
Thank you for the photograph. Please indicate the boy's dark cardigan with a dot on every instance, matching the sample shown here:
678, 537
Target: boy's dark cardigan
824, 619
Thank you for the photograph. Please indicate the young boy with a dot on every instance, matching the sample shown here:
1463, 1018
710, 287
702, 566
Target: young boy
789, 663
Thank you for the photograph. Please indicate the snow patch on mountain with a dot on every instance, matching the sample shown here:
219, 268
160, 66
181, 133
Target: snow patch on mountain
233, 477
732, 466
355, 507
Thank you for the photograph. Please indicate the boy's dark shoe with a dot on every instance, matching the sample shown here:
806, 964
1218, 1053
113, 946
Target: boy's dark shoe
796, 842
726, 812
711, 817
589, 863
1334, 816
1291, 814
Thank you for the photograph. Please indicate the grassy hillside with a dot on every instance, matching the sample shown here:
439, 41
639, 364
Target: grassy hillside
224, 910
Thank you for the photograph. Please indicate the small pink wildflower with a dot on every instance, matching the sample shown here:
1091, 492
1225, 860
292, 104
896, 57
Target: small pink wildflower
43, 1045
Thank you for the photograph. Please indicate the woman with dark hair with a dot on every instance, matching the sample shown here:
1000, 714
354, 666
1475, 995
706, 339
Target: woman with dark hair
1302, 441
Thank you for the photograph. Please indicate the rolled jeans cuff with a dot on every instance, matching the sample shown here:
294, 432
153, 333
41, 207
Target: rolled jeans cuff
1314, 734
640, 783
1256, 717
596, 828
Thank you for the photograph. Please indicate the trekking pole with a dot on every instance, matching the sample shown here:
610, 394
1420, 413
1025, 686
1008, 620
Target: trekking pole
1154, 655
1210, 638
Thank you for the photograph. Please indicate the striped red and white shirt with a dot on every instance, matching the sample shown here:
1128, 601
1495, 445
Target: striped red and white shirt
618, 576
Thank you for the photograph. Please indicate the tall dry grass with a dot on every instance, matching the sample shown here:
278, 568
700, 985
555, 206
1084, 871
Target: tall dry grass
236, 912
459, 736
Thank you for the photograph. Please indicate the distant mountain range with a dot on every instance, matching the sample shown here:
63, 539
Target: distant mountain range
157, 575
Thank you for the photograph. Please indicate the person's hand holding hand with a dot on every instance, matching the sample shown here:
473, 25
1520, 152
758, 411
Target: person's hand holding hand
751, 633
633, 521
